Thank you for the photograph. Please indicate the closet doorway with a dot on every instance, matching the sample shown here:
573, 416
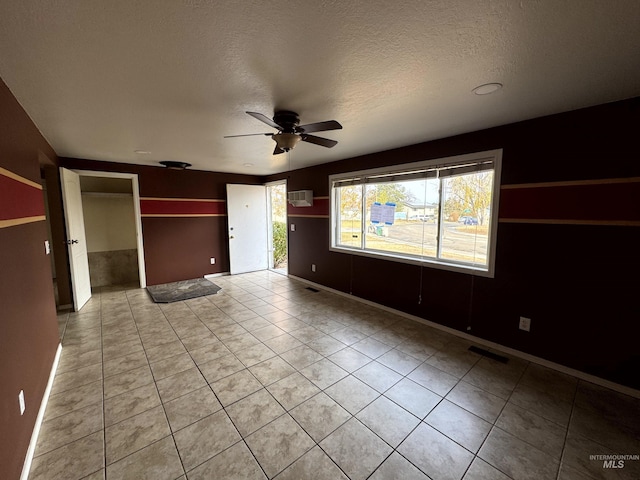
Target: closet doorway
110, 210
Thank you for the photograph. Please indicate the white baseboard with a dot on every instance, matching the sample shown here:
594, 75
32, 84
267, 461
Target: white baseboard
487, 343
43, 406
214, 275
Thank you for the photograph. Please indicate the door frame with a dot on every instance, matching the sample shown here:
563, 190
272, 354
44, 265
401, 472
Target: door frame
135, 188
270, 223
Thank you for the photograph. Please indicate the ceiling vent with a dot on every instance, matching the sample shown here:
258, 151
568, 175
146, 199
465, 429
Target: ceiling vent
301, 198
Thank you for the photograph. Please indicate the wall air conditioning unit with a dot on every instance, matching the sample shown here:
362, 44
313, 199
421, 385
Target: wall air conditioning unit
301, 198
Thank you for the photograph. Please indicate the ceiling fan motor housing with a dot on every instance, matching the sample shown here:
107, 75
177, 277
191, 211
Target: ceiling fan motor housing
287, 120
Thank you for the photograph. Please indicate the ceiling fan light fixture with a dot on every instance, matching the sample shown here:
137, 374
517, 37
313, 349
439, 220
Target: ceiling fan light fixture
170, 164
286, 141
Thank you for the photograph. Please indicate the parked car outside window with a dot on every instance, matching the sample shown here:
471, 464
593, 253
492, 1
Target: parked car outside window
467, 220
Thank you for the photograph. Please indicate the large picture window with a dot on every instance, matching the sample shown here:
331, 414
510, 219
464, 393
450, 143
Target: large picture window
440, 212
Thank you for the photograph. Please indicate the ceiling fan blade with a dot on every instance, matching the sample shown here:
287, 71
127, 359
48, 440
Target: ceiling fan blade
247, 135
277, 151
325, 142
265, 119
319, 127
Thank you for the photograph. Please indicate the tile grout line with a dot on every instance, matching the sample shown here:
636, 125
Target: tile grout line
114, 396
287, 412
223, 408
380, 394
155, 384
493, 425
104, 410
566, 435
352, 416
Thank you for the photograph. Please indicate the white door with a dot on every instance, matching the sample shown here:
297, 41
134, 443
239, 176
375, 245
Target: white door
247, 215
77, 243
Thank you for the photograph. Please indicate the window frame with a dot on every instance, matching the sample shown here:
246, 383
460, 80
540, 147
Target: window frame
451, 265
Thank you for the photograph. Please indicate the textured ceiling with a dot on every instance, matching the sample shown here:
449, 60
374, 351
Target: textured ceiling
102, 79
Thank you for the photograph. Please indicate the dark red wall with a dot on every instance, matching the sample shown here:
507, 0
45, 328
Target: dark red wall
178, 247
28, 323
570, 262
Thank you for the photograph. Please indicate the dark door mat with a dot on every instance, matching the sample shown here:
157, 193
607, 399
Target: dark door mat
183, 290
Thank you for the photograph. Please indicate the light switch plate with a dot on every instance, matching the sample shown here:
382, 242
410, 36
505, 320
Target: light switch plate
21, 401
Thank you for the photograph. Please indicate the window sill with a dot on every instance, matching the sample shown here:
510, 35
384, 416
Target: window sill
423, 262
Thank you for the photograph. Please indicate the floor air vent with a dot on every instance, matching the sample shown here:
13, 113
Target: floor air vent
313, 289
488, 354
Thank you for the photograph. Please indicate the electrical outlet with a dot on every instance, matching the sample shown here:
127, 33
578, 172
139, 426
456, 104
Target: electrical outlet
21, 401
293, 227
47, 247
525, 324
313, 267
213, 261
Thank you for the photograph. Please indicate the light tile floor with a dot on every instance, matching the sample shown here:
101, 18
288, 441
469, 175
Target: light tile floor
267, 379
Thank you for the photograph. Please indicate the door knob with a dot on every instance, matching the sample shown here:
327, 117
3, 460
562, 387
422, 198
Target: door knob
71, 242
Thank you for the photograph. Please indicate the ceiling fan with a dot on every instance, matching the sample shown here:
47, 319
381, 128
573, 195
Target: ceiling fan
290, 132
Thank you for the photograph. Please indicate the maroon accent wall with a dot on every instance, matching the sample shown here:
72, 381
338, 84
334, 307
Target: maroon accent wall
605, 202
19, 199
181, 248
178, 247
577, 283
182, 207
319, 208
28, 323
